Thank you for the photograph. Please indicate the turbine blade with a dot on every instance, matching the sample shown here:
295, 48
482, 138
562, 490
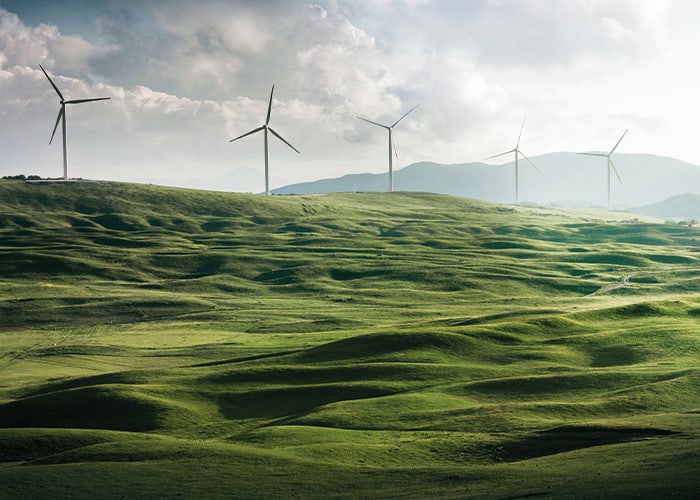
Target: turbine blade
247, 134
618, 142
60, 115
615, 170
79, 101
521, 133
529, 161
374, 123
51, 82
396, 153
594, 154
404, 115
269, 106
282, 139
500, 154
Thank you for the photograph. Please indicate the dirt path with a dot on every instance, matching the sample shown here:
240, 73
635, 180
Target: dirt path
625, 282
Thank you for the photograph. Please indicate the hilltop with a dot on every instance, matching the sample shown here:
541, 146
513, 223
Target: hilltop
177, 343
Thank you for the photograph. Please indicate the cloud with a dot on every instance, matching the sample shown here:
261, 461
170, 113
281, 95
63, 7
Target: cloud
44, 44
208, 49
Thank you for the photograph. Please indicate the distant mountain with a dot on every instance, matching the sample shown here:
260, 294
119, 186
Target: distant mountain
566, 179
465, 180
683, 206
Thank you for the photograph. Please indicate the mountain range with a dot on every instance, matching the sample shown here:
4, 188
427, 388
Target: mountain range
564, 179
657, 186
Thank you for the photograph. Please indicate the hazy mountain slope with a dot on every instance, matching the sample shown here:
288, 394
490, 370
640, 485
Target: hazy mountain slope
566, 178
684, 206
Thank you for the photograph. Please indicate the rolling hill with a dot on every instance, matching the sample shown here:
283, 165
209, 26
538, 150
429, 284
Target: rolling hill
162, 342
566, 179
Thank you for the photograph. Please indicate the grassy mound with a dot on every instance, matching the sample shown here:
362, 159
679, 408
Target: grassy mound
115, 408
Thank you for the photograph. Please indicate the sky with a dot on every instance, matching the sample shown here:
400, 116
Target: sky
185, 77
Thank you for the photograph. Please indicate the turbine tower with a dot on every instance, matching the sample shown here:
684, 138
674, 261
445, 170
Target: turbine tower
265, 128
518, 153
391, 142
610, 164
62, 118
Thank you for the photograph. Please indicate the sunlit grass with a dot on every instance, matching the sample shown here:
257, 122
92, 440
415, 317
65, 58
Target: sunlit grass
157, 342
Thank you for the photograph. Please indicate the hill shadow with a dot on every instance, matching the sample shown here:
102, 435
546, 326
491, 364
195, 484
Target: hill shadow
570, 438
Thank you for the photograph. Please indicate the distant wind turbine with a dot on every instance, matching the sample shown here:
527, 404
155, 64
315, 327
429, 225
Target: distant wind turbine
62, 118
266, 127
517, 152
391, 142
610, 164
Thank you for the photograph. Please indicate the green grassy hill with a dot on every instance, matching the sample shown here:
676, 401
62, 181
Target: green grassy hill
159, 342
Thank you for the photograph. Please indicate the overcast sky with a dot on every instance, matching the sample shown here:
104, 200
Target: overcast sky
184, 77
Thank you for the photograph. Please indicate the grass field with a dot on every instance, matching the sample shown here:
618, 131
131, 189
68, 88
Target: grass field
159, 342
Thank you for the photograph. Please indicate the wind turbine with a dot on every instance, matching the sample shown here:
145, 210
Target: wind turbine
517, 152
62, 118
391, 142
267, 127
610, 164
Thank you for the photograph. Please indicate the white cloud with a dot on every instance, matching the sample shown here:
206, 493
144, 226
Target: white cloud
44, 44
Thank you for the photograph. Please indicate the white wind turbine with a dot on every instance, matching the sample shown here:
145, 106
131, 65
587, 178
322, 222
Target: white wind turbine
610, 164
62, 118
265, 128
518, 153
391, 142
